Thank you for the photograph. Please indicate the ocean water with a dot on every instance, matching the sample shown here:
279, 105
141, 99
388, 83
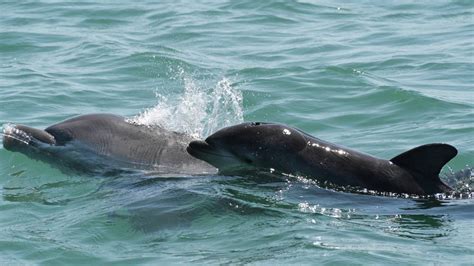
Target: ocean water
377, 76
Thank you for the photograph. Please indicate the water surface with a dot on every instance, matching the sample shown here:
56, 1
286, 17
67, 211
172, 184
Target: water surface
379, 77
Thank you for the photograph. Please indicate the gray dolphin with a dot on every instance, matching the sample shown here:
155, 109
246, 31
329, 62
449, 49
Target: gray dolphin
292, 151
106, 142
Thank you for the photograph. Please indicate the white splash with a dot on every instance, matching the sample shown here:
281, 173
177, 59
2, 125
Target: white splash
199, 111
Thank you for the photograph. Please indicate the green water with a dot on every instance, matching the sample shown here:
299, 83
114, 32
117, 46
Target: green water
377, 76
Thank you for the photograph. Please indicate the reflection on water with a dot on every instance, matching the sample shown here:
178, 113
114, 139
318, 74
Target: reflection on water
419, 226
285, 214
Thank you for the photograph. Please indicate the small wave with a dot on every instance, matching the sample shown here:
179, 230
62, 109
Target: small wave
332, 212
198, 111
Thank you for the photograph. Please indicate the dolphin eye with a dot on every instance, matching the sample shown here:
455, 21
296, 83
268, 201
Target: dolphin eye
256, 123
247, 160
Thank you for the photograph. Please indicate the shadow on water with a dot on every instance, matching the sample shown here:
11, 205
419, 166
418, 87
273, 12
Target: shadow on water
30, 181
163, 203
154, 204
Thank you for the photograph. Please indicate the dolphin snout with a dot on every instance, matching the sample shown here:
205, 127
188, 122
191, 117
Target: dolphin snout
17, 136
14, 137
198, 145
202, 150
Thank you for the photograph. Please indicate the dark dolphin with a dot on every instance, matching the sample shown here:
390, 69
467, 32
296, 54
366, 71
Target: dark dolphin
106, 141
288, 150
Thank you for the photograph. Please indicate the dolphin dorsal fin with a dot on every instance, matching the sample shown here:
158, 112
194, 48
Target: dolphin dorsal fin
427, 159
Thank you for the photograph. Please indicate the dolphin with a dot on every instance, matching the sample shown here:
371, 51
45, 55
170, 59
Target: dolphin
106, 142
281, 148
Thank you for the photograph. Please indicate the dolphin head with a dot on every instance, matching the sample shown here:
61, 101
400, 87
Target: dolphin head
249, 146
49, 146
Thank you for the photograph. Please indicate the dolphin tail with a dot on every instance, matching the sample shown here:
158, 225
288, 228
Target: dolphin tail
425, 163
18, 137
